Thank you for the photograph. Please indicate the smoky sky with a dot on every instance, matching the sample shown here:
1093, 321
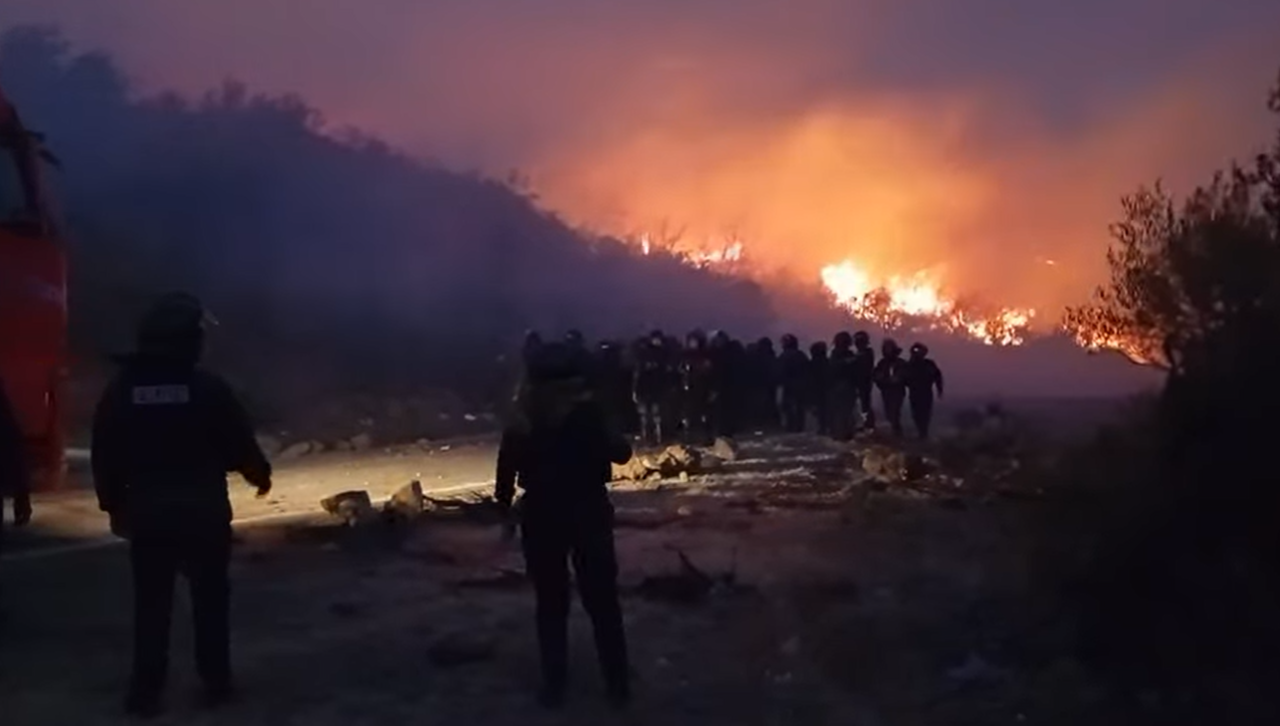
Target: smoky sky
979, 139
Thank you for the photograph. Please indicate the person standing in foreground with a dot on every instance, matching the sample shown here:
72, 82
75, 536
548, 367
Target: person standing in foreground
559, 452
13, 470
922, 377
165, 434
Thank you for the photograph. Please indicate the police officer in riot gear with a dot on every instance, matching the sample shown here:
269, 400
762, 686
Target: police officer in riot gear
793, 365
891, 379
763, 386
165, 434
922, 377
697, 387
614, 384
651, 383
844, 391
818, 386
863, 371
559, 451
529, 348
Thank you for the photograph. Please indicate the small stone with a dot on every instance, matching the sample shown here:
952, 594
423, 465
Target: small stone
295, 451
724, 449
269, 444
361, 442
408, 501
353, 507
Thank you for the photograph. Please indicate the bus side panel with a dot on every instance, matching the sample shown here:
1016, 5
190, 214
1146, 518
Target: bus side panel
33, 329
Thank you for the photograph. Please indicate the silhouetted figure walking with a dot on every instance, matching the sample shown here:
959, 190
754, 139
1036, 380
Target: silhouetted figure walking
923, 377
891, 379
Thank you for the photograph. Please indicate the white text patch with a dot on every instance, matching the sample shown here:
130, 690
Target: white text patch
161, 395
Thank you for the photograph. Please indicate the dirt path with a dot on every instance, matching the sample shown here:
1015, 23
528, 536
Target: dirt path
70, 520
822, 599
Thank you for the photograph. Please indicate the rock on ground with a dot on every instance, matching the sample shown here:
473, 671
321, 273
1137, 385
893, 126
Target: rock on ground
353, 507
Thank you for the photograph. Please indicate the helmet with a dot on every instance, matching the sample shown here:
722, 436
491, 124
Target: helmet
818, 349
842, 340
861, 339
574, 338
696, 339
890, 348
765, 344
657, 334
556, 362
720, 338
790, 342
919, 350
175, 321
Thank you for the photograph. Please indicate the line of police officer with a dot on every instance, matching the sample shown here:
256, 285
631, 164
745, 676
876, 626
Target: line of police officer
665, 390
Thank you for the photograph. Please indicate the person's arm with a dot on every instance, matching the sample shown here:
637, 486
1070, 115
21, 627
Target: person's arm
245, 455
937, 378
105, 451
510, 455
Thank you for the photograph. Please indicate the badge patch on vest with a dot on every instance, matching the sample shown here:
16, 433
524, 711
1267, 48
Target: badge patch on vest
161, 395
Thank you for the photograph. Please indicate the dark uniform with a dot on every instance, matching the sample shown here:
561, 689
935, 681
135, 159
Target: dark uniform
165, 434
696, 381
818, 388
728, 383
763, 386
864, 371
532, 344
794, 368
614, 384
844, 392
651, 384
923, 376
559, 452
13, 470
891, 379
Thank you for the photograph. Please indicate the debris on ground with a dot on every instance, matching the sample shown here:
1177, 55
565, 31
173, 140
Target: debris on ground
270, 445
407, 502
361, 442
353, 507
689, 586
297, 450
674, 462
724, 449
884, 464
481, 508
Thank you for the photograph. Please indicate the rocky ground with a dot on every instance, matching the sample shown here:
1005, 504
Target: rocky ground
778, 580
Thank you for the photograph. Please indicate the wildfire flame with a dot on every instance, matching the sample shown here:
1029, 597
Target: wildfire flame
917, 301
920, 302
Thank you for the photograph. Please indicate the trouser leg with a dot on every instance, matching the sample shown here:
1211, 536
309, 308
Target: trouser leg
546, 560
893, 401
207, 569
596, 566
922, 414
864, 404
155, 567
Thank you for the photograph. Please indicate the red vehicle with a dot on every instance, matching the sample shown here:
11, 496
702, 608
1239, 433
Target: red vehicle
33, 299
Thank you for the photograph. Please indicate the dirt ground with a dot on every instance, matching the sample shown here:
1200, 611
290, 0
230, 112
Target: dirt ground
822, 598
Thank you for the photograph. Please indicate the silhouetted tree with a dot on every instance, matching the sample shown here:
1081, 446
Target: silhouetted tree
1186, 571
